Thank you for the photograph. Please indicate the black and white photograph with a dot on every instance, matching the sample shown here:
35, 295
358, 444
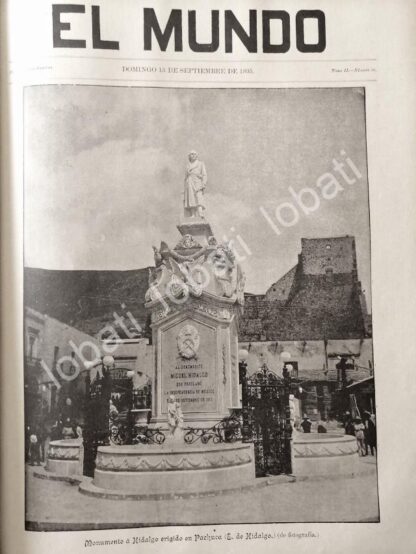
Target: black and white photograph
197, 307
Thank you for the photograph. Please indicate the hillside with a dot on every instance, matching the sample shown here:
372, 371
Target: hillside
317, 307
86, 299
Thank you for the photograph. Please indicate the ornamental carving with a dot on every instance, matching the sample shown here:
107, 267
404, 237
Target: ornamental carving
219, 313
324, 450
160, 314
188, 341
166, 462
63, 453
212, 269
187, 242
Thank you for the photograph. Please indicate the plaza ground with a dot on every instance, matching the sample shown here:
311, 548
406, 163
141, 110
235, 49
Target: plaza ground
57, 505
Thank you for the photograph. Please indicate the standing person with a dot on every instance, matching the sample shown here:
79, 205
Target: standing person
42, 436
68, 430
306, 424
322, 426
28, 432
67, 410
56, 430
349, 425
370, 433
359, 435
78, 431
34, 450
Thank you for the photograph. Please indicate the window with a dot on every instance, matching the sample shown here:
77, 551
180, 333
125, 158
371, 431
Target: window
53, 398
33, 339
55, 356
294, 371
72, 367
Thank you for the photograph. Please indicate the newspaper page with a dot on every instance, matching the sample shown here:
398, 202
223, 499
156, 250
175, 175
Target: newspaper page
207, 338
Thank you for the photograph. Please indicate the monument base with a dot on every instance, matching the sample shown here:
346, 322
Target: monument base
169, 470
198, 228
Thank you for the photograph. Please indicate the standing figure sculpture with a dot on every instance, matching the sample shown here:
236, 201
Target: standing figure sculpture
175, 418
195, 182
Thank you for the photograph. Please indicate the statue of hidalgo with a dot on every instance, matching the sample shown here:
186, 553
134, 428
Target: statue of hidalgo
195, 182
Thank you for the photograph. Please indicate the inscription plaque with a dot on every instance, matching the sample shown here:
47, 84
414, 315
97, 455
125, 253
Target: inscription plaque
191, 381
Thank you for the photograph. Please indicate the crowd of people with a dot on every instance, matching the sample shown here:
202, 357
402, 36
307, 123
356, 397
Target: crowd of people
66, 427
37, 437
40, 432
363, 429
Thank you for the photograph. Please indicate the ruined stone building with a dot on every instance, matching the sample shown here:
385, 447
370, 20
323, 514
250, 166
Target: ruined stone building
317, 313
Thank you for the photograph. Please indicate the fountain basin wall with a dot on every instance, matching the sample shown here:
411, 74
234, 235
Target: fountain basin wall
158, 469
323, 455
65, 457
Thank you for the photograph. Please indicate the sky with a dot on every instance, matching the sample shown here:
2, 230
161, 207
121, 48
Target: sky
104, 172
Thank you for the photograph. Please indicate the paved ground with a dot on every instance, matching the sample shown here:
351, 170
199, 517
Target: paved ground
58, 505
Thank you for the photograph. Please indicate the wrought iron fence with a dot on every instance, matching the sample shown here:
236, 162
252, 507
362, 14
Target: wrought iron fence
264, 420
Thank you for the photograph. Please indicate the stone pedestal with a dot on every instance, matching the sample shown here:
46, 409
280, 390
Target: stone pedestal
195, 299
140, 417
206, 384
197, 228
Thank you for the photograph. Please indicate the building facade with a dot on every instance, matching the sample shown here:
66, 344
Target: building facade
54, 365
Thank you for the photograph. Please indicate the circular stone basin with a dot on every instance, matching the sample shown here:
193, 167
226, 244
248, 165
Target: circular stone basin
65, 457
174, 468
324, 454
65, 443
